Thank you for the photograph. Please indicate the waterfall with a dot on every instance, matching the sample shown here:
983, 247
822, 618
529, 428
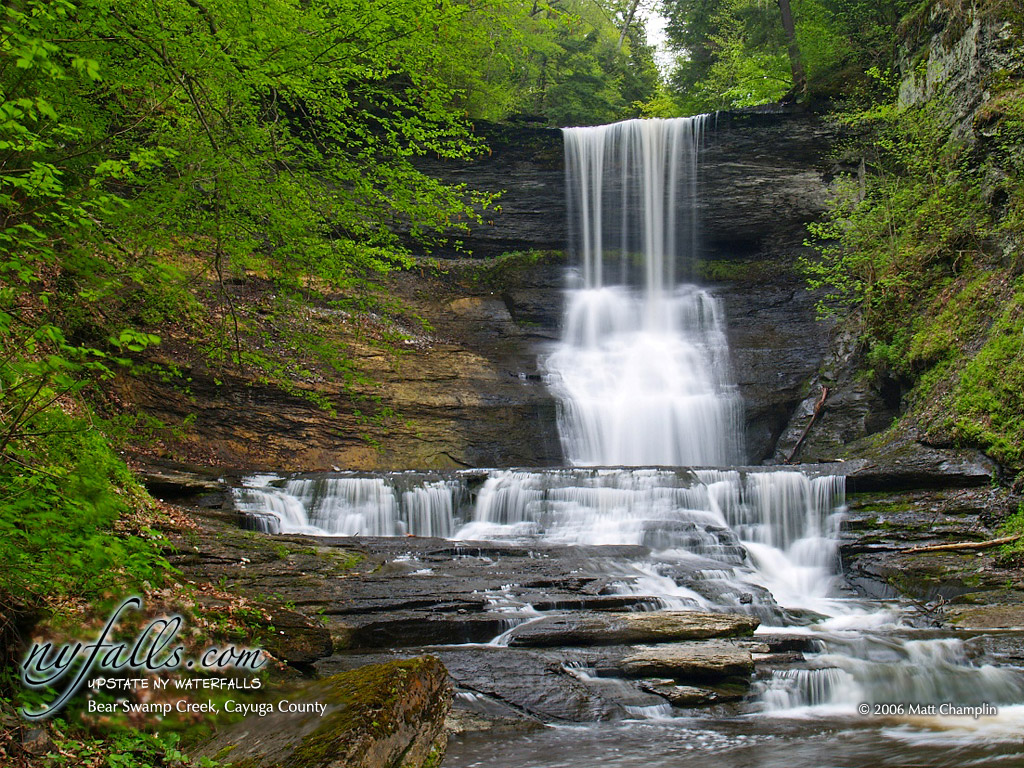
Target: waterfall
350, 505
643, 380
642, 371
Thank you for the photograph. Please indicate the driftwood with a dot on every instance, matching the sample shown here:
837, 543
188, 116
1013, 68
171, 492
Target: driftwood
963, 545
814, 416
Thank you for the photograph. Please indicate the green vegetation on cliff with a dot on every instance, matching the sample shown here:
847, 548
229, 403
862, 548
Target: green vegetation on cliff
924, 241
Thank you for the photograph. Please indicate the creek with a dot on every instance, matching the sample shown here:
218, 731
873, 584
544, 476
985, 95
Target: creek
655, 489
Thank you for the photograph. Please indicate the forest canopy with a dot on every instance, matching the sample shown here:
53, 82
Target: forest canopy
740, 53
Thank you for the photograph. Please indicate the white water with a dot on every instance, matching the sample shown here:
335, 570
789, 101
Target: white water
642, 371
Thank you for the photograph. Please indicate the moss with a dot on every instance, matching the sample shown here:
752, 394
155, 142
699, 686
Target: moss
434, 759
498, 274
1013, 526
988, 400
362, 701
737, 271
223, 753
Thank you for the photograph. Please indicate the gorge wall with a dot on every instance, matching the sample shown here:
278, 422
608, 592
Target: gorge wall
466, 391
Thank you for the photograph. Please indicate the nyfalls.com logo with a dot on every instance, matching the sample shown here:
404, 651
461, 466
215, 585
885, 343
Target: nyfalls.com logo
107, 664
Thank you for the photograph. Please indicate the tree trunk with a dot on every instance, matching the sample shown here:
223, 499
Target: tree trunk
796, 63
629, 20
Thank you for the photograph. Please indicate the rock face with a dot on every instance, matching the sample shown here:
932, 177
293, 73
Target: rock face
468, 392
761, 181
378, 715
524, 163
464, 394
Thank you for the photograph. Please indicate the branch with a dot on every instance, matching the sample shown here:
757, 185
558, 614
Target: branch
807, 429
206, 15
625, 27
964, 545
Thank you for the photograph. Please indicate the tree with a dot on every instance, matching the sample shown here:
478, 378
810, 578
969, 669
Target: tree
796, 63
733, 53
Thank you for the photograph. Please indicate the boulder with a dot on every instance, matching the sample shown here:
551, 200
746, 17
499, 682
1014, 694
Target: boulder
381, 714
689, 662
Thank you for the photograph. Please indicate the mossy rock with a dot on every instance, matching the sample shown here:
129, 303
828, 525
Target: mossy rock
377, 715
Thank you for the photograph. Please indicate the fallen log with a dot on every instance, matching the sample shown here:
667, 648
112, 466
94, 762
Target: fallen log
963, 545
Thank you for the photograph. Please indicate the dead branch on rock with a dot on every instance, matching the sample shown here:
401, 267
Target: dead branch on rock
963, 545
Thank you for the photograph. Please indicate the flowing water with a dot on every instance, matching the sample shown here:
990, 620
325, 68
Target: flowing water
642, 371
643, 380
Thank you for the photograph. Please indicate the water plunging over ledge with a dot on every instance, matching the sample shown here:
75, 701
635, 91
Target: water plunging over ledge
642, 372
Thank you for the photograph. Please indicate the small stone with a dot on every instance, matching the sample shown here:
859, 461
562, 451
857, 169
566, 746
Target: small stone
37, 742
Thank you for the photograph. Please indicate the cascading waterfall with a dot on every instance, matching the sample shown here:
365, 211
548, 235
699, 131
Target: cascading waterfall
349, 505
733, 538
642, 371
643, 380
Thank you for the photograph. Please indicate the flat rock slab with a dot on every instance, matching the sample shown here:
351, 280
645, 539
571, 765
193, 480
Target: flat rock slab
986, 616
588, 629
689, 662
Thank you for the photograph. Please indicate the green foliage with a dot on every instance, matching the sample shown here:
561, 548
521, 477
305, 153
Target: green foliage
988, 400
733, 53
65, 494
912, 217
918, 242
560, 61
1014, 526
122, 748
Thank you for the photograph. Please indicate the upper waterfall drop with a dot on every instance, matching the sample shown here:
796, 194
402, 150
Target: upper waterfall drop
642, 371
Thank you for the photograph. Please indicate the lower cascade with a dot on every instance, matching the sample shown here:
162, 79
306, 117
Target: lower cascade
754, 541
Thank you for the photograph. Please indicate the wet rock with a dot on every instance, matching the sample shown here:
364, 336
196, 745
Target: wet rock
406, 629
778, 659
535, 683
882, 529
570, 602
789, 643
587, 629
903, 464
382, 714
691, 695
689, 662
484, 714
